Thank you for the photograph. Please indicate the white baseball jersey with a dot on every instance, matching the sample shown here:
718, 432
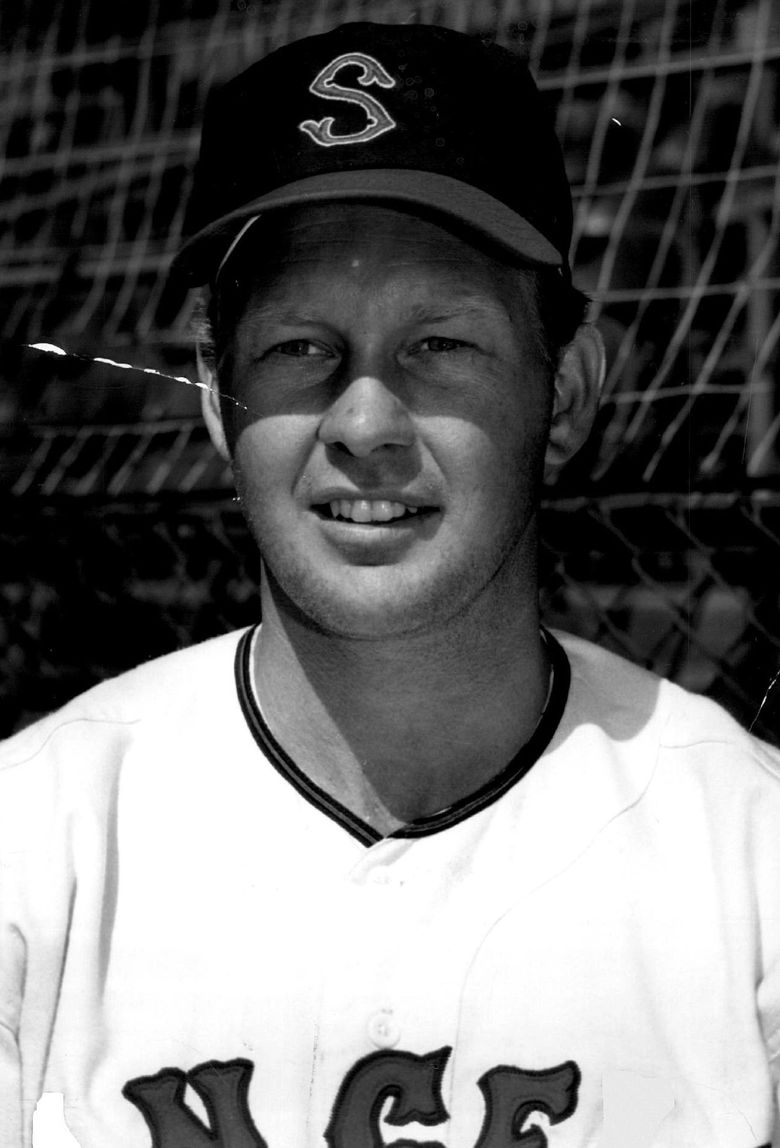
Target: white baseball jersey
199, 948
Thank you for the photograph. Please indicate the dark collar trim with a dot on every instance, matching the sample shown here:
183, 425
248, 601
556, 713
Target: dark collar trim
498, 785
520, 764
281, 760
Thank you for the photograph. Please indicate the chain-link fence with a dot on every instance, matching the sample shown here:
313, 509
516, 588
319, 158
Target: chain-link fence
662, 539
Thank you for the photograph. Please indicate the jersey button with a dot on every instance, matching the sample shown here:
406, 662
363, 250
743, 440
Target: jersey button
383, 1030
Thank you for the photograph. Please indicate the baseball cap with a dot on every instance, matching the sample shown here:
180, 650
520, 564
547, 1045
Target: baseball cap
413, 115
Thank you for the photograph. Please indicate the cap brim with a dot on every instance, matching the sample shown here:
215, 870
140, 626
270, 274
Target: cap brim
201, 255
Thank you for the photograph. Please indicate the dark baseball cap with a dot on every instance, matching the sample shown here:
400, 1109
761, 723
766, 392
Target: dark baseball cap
411, 115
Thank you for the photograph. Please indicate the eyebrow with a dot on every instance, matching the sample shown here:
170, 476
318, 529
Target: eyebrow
425, 313
467, 308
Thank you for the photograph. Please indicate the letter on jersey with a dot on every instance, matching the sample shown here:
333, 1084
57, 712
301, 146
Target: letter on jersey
514, 1094
414, 1083
223, 1088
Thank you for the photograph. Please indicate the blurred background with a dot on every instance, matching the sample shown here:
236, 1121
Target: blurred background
119, 535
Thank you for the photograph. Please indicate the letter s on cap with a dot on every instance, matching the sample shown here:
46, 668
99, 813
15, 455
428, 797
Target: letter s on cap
324, 85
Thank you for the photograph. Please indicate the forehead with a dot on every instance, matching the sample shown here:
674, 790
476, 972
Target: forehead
304, 249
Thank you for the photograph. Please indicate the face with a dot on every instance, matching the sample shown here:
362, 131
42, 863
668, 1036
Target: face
397, 408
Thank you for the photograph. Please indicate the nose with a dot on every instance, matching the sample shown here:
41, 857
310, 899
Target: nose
366, 416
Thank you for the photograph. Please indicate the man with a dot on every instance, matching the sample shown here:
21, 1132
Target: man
398, 866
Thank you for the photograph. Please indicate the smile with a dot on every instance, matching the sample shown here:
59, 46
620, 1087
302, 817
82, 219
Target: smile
368, 510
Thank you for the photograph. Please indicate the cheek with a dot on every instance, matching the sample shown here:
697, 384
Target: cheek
515, 439
270, 454
513, 403
255, 449
492, 473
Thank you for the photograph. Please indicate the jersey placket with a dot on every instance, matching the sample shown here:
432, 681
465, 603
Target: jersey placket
362, 1011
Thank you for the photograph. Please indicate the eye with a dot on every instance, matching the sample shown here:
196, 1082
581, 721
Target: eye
298, 349
441, 344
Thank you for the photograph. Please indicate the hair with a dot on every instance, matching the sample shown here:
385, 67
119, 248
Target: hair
560, 309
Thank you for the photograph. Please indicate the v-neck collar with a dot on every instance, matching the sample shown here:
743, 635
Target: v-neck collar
467, 806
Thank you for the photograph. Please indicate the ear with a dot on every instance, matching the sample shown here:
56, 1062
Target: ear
578, 383
209, 401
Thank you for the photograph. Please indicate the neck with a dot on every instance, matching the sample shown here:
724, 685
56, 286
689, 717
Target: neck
397, 728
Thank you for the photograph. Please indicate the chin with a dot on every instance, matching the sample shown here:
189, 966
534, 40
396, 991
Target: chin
374, 604
360, 616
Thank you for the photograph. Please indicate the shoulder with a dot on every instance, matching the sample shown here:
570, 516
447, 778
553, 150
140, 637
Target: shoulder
633, 706
95, 729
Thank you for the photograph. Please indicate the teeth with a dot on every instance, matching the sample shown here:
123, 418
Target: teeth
369, 510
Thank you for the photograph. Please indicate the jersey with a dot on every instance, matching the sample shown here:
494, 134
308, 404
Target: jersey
199, 948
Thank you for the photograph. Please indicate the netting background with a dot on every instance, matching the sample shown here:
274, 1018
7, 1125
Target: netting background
119, 537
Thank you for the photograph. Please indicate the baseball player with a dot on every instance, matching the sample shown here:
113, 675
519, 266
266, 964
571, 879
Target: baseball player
397, 866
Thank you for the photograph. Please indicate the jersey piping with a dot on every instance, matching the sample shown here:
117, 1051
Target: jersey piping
498, 785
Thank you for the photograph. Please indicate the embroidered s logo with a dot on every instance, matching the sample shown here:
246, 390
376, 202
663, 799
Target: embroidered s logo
324, 84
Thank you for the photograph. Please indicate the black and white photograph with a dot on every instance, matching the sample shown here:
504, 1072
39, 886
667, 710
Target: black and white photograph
390, 574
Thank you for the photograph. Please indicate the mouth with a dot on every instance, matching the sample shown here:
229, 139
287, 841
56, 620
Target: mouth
370, 511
